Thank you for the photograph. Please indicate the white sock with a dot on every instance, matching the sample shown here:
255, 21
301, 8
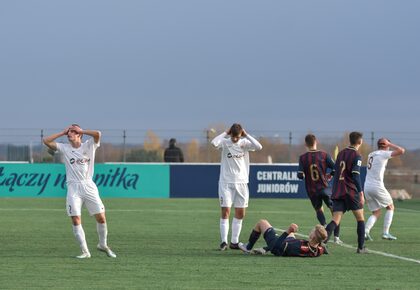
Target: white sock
370, 223
102, 233
388, 220
236, 230
79, 233
224, 229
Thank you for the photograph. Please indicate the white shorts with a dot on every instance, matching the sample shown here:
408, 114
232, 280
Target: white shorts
233, 193
377, 197
83, 193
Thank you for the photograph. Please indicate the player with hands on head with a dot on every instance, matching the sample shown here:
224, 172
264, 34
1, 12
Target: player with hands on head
235, 145
79, 159
377, 196
286, 244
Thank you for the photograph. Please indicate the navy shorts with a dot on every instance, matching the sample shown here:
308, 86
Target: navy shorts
318, 197
274, 242
350, 202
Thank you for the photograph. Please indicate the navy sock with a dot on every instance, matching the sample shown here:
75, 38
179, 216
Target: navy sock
330, 228
253, 238
337, 231
360, 234
321, 217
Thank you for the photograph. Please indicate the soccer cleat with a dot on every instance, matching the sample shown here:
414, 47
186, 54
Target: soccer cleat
243, 248
362, 251
234, 246
258, 251
223, 246
107, 250
338, 241
388, 237
368, 237
85, 255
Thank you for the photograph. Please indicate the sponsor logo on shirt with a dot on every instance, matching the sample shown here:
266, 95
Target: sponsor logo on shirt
80, 161
239, 155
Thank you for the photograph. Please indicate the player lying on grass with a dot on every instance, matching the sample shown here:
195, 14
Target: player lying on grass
286, 244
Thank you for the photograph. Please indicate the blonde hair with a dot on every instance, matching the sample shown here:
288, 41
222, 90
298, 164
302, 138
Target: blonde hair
320, 233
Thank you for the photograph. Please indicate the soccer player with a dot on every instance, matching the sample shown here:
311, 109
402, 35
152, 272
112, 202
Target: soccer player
235, 144
313, 167
78, 158
377, 197
286, 244
347, 193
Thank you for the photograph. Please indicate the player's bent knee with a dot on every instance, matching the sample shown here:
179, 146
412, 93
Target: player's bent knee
264, 224
76, 220
100, 218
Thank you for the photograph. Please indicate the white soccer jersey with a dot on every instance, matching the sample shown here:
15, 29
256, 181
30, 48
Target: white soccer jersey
234, 165
80, 161
377, 161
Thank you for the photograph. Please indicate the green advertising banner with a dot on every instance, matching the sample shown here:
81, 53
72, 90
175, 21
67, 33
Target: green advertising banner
113, 180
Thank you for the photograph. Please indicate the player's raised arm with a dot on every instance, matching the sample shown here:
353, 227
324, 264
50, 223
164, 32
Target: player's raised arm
218, 139
396, 150
255, 145
50, 140
93, 133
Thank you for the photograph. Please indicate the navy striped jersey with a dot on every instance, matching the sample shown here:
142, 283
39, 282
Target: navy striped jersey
301, 248
348, 163
314, 164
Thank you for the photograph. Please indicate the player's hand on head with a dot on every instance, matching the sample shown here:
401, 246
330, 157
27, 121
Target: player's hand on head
293, 228
228, 131
77, 129
244, 133
66, 130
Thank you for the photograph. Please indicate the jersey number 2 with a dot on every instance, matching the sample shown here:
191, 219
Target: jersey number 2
342, 167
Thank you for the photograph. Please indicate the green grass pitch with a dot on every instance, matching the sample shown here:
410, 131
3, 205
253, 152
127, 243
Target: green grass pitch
172, 244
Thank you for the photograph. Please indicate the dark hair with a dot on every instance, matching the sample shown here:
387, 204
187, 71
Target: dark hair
172, 142
236, 130
310, 140
381, 143
355, 138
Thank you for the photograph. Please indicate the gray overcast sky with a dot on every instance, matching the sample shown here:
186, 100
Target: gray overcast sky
185, 64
